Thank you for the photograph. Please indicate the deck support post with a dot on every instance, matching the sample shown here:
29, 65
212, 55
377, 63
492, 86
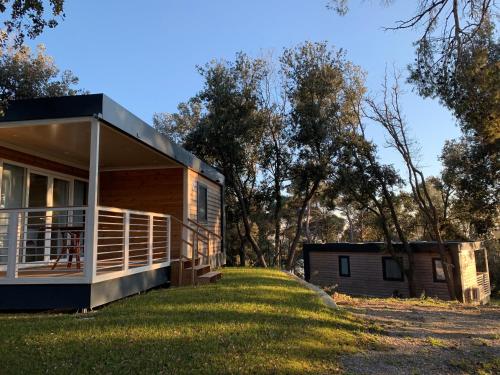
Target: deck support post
150, 239
92, 213
193, 258
12, 253
169, 231
126, 240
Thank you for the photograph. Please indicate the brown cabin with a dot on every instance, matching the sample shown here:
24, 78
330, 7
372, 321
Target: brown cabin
95, 205
367, 269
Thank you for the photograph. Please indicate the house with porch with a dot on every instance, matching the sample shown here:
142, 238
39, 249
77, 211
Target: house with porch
96, 205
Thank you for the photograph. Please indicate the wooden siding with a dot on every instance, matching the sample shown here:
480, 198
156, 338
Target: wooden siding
154, 190
37, 162
214, 211
424, 277
366, 274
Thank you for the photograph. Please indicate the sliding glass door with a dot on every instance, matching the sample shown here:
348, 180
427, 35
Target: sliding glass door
11, 196
36, 221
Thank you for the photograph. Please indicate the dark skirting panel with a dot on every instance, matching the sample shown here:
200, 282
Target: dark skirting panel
44, 297
22, 297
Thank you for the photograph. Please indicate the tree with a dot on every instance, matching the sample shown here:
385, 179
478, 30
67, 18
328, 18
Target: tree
275, 148
388, 114
322, 89
24, 75
457, 59
230, 131
179, 125
29, 18
471, 174
363, 180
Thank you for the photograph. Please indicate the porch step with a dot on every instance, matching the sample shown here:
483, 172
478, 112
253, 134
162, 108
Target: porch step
188, 262
200, 269
209, 277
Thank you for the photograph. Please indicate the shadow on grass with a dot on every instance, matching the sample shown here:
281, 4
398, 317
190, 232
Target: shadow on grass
252, 321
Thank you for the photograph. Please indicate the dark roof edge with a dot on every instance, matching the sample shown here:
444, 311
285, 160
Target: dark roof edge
118, 116
379, 247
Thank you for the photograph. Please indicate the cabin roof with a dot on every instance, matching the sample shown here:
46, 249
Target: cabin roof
112, 113
380, 247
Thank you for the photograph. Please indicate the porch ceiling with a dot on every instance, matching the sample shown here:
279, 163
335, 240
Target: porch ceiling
70, 144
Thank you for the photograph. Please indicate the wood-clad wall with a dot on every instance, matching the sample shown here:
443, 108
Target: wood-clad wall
154, 190
37, 162
214, 208
366, 274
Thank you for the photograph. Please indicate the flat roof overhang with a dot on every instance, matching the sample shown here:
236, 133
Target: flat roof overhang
68, 143
77, 109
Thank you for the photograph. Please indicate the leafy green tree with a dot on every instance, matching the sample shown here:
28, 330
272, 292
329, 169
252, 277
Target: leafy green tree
178, 125
457, 60
471, 173
230, 131
275, 150
29, 18
24, 75
323, 89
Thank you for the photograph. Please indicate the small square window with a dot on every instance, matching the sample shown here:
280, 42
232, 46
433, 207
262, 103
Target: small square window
344, 266
438, 270
202, 202
391, 269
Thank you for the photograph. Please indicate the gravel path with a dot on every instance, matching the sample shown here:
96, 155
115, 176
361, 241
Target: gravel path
420, 337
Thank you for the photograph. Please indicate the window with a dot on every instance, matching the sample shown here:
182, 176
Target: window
391, 269
202, 203
344, 266
437, 270
480, 258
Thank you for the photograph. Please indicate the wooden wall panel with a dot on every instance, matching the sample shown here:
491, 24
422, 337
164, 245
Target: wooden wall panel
154, 190
366, 274
214, 214
367, 277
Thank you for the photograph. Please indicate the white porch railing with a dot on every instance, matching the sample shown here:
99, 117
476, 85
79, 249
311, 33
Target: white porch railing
48, 245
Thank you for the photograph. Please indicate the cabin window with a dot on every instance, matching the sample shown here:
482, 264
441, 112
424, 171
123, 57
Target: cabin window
202, 203
438, 270
391, 269
344, 266
480, 260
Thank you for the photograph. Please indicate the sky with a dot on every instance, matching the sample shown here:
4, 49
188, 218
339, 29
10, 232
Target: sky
143, 54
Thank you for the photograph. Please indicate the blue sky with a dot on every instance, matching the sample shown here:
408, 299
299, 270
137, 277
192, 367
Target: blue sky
143, 54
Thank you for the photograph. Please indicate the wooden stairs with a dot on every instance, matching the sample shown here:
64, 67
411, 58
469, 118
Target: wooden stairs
195, 269
203, 274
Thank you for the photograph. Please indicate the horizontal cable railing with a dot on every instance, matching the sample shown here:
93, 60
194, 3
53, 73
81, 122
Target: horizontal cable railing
42, 242
129, 240
45, 244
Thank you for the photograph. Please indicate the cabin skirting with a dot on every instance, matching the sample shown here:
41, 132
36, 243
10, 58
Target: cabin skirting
24, 297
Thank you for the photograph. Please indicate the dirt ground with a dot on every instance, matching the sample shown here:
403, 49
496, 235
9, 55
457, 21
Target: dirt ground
426, 337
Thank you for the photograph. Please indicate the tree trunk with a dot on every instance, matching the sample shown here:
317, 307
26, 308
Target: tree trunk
308, 220
277, 219
248, 230
243, 240
447, 267
410, 273
290, 262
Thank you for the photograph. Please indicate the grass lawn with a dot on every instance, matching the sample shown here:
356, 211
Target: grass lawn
252, 321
